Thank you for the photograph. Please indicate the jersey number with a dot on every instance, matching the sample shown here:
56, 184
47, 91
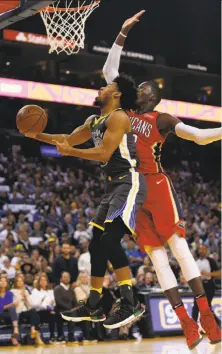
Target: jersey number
135, 137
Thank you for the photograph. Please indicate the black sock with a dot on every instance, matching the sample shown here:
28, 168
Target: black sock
126, 292
94, 299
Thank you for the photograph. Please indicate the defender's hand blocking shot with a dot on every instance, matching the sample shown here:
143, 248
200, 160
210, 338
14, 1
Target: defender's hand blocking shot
160, 219
125, 193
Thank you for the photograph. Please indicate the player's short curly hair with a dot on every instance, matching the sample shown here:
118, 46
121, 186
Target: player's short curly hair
127, 87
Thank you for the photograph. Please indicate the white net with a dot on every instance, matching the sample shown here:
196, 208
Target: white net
65, 27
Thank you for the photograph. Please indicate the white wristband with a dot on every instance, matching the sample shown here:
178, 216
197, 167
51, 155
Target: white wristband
123, 35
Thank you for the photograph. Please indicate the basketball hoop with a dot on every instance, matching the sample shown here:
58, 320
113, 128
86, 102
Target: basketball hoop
65, 27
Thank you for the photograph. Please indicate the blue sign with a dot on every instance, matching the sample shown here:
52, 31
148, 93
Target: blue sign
164, 318
50, 151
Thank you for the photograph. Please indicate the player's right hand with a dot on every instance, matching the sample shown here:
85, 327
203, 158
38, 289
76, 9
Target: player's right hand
128, 24
30, 135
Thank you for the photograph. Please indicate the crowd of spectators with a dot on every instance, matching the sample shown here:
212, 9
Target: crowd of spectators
44, 238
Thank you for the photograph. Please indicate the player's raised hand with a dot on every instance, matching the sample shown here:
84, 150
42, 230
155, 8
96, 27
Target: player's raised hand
130, 22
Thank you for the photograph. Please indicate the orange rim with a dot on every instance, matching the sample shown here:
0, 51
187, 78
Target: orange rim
65, 9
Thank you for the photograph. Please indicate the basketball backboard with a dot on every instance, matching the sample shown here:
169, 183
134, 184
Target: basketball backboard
14, 11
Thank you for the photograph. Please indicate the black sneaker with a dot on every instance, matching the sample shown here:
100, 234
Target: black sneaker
138, 309
84, 313
121, 317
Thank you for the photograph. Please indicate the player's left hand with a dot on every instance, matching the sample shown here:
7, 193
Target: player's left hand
130, 22
63, 147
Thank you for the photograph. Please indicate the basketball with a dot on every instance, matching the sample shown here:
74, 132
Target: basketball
32, 119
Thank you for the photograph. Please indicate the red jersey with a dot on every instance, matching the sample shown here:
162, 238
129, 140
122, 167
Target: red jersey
148, 141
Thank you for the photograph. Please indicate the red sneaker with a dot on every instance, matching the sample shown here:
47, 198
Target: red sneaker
191, 332
210, 326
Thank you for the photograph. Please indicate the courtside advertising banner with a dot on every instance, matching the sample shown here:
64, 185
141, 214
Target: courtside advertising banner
164, 318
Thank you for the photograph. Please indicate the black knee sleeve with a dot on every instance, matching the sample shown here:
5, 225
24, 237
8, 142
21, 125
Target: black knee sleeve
98, 256
111, 245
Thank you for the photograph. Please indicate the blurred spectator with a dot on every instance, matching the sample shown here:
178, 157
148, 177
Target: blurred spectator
28, 268
64, 199
75, 252
36, 258
37, 231
43, 251
68, 225
205, 265
44, 302
8, 269
24, 241
21, 222
148, 281
183, 283
65, 238
65, 300
2, 255
83, 287
8, 245
19, 253
54, 250
29, 279
23, 306
5, 229
45, 268
84, 259
212, 243
7, 307
140, 279
125, 240
135, 256
80, 233
146, 267
175, 266
65, 263
53, 220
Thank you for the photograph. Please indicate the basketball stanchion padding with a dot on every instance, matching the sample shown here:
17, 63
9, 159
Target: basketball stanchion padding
14, 11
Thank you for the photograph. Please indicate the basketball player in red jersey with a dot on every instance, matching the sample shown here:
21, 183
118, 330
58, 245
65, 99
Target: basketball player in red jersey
160, 220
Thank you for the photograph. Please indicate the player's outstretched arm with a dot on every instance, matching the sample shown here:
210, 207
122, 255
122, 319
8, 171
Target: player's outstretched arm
79, 136
199, 136
111, 67
118, 124
167, 124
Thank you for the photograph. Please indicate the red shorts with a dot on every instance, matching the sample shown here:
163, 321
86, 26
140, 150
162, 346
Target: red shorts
161, 215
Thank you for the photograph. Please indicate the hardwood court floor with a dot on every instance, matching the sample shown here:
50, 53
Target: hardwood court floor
170, 345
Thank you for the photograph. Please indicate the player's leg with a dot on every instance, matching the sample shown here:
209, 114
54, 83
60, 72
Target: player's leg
151, 243
154, 225
98, 267
128, 197
113, 234
168, 219
191, 273
169, 285
92, 310
111, 242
